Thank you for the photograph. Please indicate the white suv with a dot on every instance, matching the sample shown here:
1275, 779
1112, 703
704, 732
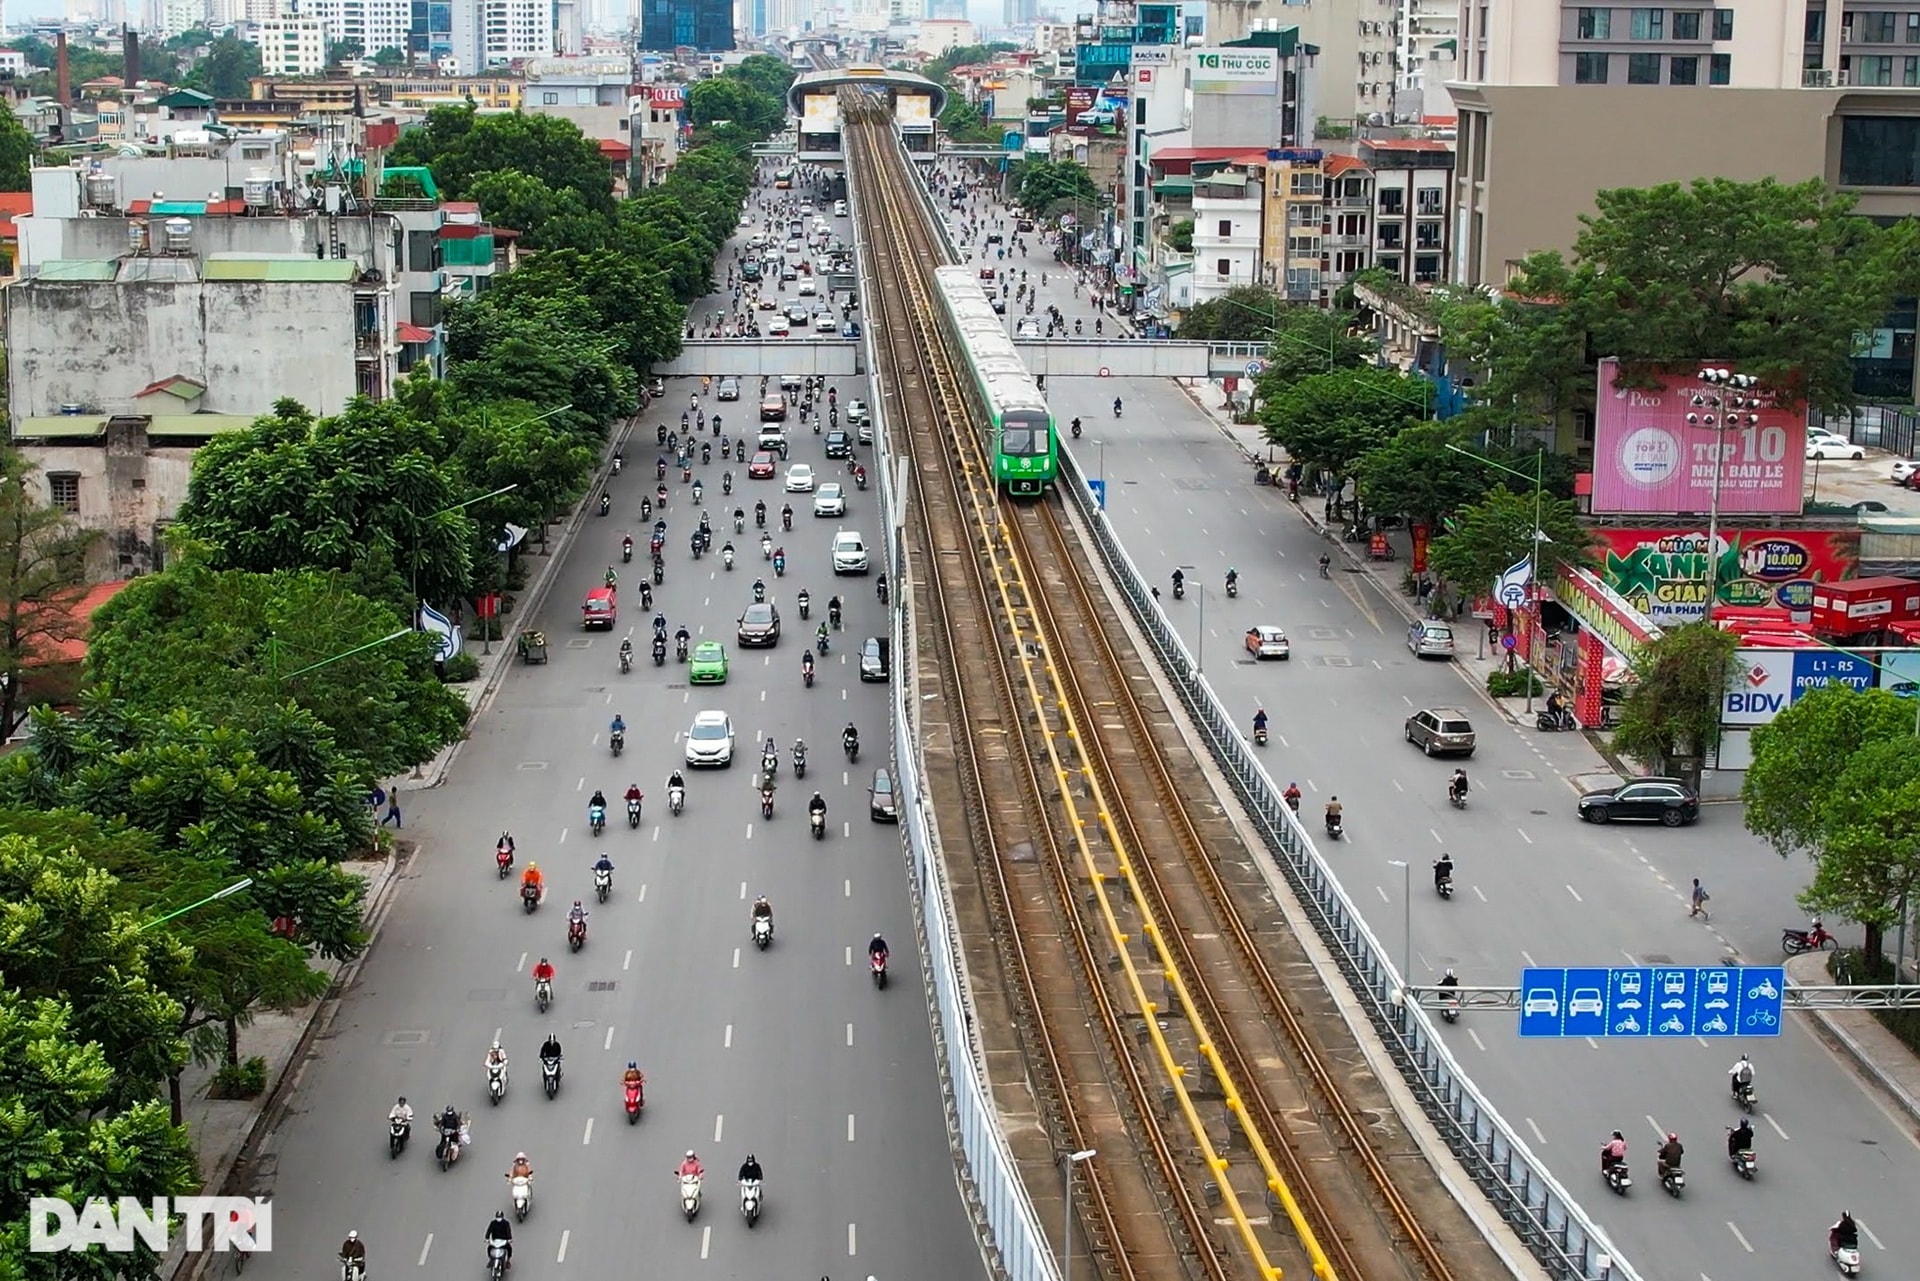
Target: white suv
849, 553
710, 740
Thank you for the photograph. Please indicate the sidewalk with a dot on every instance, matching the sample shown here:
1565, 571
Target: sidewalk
1877, 1056
228, 1134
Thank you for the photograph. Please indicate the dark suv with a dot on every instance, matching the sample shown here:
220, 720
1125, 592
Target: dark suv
759, 625
1658, 800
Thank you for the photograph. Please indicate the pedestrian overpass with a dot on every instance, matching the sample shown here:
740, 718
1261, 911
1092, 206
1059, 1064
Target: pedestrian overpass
1046, 358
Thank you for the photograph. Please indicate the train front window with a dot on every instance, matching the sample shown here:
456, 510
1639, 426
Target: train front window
1016, 442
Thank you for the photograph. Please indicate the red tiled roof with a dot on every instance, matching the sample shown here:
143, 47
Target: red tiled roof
460, 206
13, 204
613, 150
169, 383
74, 649
413, 333
1333, 165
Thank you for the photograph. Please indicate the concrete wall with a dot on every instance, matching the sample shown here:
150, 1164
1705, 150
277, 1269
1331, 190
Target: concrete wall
250, 342
367, 239
127, 489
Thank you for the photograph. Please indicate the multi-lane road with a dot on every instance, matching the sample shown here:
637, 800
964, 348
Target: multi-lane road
789, 1054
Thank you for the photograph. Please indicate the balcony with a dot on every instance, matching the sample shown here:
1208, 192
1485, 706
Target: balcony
1344, 242
1351, 202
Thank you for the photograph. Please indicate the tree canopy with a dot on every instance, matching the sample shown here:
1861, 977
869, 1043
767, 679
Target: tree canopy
1496, 533
1046, 187
1331, 419
461, 143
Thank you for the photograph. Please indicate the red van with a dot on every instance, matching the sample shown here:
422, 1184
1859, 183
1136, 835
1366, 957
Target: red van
600, 609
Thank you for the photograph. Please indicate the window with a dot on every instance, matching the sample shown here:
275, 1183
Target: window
1648, 24
1872, 69
549, 99
1910, 73
1426, 269
1720, 70
63, 489
1226, 226
1880, 151
1816, 26
1393, 201
1303, 246
1686, 24
1683, 71
1223, 266
1874, 28
1392, 235
1723, 24
1643, 68
1595, 24
1589, 68
1431, 201
1388, 262
1426, 235
1913, 28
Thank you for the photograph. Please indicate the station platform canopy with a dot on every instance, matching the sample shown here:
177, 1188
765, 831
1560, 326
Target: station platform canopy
816, 82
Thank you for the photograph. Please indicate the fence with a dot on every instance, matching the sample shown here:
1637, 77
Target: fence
1559, 1234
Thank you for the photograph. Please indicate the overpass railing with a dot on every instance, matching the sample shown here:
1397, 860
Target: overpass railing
1534, 1204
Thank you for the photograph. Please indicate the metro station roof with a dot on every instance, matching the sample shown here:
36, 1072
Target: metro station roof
869, 77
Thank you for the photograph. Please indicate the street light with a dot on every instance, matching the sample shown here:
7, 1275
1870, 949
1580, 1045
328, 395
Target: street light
1533, 544
1200, 646
1406, 895
1067, 1162
245, 882
504, 489
1716, 412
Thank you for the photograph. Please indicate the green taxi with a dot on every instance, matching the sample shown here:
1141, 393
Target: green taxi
708, 664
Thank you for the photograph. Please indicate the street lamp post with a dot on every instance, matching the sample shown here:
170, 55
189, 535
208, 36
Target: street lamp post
504, 489
1200, 638
1406, 896
1716, 411
1067, 1162
1533, 544
245, 882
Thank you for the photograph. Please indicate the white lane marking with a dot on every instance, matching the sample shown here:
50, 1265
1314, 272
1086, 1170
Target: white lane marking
563, 836
1382, 893
581, 786
1482, 894
566, 1235
706, 1240
850, 1243
587, 1136
1658, 1133
743, 891
719, 1122
849, 892
849, 956
643, 892
1538, 1137
1396, 786
656, 832
736, 958
609, 1044
749, 831
849, 1034
522, 964
1437, 840
1768, 1118
1744, 1243
1523, 835
846, 829
849, 1127
426, 1246
1576, 894
1869, 1231
496, 1035
1478, 1044
1525, 956
726, 1042
627, 962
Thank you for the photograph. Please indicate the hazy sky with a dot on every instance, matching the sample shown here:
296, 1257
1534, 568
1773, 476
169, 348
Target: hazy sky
18, 10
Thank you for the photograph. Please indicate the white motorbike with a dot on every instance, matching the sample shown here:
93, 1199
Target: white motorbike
750, 1200
352, 1269
543, 994
496, 1083
602, 883
689, 1195
1846, 1258
762, 931
676, 799
496, 1260
550, 1076
522, 1196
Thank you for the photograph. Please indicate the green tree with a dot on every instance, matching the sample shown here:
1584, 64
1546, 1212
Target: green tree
1046, 187
42, 580
1416, 475
548, 219
544, 352
460, 143
1330, 420
390, 57
1672, 712
1775, 279
292, 491
1496, 533
340, 52
765, 74
16, 154
961, 121
230, 643
1836, 776
725, 98
1303, 341
510, 444
1180, 240
629, 300
228, 69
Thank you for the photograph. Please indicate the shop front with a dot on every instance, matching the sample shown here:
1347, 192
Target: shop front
1600, 652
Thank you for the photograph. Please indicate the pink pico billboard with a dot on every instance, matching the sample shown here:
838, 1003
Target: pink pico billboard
1649, 460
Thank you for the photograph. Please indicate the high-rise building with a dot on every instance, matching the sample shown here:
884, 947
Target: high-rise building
291, 46
372, 24
706, 25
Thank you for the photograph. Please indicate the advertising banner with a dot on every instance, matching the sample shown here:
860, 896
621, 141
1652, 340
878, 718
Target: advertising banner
1152, 55
913, 111
821, 115
1648, 458
1663, 572
1079, 102
1236, 71
1773, 680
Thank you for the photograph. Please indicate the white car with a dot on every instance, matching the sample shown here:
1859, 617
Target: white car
1833, 447
778, 328
800, 479
806, 210
793, 246
857, 412
839, 208
1904, 468
1267, 641
849, 553
830, 500
1027, 328
823, 323
809, 287
710, 740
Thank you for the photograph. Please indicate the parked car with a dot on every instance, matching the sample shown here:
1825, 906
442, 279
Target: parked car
1430, 639
1667, 801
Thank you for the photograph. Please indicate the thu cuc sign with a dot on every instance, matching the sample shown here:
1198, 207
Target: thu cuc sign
239, 1223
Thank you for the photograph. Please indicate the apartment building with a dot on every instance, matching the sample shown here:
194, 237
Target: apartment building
372, 24
1293, 220
291, 46
1413, 194
1227, 211
1360, 44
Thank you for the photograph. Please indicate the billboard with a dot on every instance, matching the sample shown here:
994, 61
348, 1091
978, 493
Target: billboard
1151, 55
1649, 460
1663, 572
1079, 102
913, 111
1772, 680
821, 114
1236, 71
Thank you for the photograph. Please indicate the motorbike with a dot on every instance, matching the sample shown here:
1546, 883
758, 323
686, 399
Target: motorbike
646, 508
633, 820
698, 490
635, 1101
550, 1076
606, 504
660, 433
503, 859
1744, 1163
799, 762
852, 747
770, 762
689, 1195
576, 934
1233, 590
762, 931
542, 994
1076, 429
1335, 826
496, 1083
676, 800
1180, 589
750, 1200
1617, 1177
786, 519
602, 883
806, 675
1743, 1095
646, 595
1260, 736
522, 1197
618, 463
1673, 1180
626, 552
1794, 942
680, 649
766, 548
1555, 720
877, 961
726, 556
530, 897
626, 661
806, 606
1457, 796
860, 479
817, 820
880, 588
447, 1150
1845, 1257
833, 615
1450, 1012
659, 653
780, 566
596, 819
821, 644
1444, 887
766, 802
759, 591
397, 1134
659, 573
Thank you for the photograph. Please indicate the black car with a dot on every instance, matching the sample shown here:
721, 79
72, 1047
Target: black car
839, 444
875, 659
759, 626
1663, 800
883, 805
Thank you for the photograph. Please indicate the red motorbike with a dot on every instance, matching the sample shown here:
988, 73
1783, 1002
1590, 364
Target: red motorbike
576, 934
503, 859
1814, 939
879, 962
636, 1099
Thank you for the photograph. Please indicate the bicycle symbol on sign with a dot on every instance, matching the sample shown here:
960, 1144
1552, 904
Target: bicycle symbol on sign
1762, 1018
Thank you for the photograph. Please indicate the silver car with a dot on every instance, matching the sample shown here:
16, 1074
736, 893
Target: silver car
1430, 639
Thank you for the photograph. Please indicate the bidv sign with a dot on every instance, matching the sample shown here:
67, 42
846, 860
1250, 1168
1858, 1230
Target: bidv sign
239, 1223
1773, 680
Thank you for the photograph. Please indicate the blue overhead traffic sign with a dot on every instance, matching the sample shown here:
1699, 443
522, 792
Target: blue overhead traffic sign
1654, 1001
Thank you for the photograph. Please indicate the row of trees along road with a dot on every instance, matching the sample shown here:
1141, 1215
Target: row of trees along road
233, 711
1770, 279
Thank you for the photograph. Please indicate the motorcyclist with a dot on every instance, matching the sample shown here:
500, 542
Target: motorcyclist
1457, 785
543, 972
532, 877
598, 801
1116, 399
691, 1167
820, 636
550, 1049
626, 649
1292, 797
353, 1253
501, 1230
1333, 811
613, 578
1179, 581
1260, 720
818, 805
403, 1114
676, 779
786, 515
1844, 1235
633, 794
833, 610
521, 1167
762, 908
1233, 578
682, 637
633, 1075
618, 726
750, 1171
1450, 980
1740, 1076
806, 663
1670, 1153
496, 1056
850, 737
1325, 562
505, 842
448, 1123
1613, 1152
1442, 870
1740, 1138
760, 514
877, 946
577, 916
603, 863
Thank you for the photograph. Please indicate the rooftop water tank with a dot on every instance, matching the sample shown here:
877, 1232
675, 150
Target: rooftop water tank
101, 191
179, 235
136, 236
258, 189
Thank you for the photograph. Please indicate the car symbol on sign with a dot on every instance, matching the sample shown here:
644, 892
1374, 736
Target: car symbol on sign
1673, 1005
1541, 1000
1718, 1004
1585, 1000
